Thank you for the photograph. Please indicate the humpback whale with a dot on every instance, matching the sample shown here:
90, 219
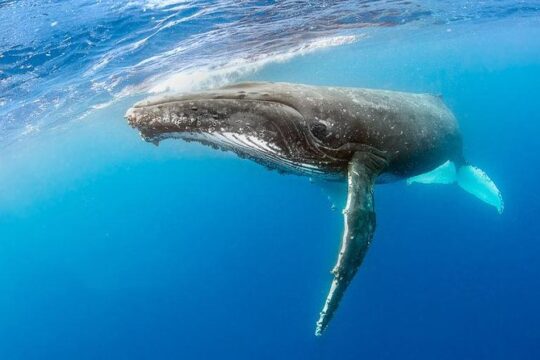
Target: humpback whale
358, 136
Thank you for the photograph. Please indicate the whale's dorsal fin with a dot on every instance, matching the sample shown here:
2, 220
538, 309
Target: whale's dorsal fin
359, 218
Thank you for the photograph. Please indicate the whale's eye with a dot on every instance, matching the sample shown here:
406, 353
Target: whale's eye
319, 130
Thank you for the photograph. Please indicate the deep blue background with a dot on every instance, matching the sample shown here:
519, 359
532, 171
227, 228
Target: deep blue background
111, 248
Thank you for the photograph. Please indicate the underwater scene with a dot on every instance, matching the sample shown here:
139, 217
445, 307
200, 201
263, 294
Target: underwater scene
269, 179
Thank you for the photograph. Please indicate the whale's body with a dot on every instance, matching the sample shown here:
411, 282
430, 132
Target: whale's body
316, 125
362, 135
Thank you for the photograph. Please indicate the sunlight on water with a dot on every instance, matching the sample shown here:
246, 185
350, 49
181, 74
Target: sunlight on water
87, 54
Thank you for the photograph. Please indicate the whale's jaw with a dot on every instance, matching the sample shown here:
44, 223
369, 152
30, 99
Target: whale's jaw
264, 130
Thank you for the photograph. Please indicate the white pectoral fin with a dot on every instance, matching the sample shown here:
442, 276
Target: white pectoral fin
476, 182
444, 174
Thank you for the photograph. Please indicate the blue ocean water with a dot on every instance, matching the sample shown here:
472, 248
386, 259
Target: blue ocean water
112, 248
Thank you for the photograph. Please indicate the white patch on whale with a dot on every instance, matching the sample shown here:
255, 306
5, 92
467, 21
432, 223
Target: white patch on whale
470, 178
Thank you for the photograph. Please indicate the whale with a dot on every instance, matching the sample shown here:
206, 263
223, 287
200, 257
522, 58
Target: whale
352, 136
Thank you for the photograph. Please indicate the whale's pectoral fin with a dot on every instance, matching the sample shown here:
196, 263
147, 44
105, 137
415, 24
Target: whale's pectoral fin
359, 216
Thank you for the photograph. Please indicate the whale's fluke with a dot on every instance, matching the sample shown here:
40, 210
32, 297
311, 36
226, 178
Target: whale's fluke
477, 182
444, 174
359, 219
470, 178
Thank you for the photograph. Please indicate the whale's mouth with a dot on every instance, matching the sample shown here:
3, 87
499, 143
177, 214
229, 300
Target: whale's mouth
194, 117
265, 130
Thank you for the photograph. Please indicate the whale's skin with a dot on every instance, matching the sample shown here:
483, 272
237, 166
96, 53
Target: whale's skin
363, 135
311, 125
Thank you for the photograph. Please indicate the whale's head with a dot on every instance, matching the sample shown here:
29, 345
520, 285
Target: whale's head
266, 126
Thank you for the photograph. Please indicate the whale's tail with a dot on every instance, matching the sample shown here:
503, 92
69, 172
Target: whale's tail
468, 177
